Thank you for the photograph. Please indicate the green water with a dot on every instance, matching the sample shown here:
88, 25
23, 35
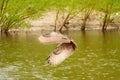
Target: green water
22, 57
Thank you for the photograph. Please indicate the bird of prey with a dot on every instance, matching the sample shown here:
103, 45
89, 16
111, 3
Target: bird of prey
65, 48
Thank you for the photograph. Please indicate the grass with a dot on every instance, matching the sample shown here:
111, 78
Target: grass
13, 13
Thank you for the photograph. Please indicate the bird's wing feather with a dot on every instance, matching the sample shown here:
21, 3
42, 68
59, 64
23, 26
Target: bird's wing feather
53, 37
62, 52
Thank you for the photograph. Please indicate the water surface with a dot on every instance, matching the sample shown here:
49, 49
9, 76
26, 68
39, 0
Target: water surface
22, 57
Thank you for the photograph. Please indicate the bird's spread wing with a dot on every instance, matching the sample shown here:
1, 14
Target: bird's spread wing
53, 37
62, 52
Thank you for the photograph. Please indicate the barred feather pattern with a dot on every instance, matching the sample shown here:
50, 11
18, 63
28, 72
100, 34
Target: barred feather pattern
61, 52
65, 48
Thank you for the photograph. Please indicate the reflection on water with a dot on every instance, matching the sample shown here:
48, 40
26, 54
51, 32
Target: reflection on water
97, 58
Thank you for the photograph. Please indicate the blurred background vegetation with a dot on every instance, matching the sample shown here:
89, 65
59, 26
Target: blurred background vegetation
13, 13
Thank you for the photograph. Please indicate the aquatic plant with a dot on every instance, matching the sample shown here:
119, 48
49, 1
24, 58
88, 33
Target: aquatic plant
13, 13
108, 7
65, 11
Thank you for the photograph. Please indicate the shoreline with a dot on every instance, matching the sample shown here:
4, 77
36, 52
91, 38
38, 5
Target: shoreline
46, 22
51, 29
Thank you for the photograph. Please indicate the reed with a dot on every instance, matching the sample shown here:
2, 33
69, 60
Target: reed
13, 13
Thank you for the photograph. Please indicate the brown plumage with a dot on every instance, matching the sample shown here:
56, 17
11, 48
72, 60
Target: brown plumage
53, 37
62, 51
